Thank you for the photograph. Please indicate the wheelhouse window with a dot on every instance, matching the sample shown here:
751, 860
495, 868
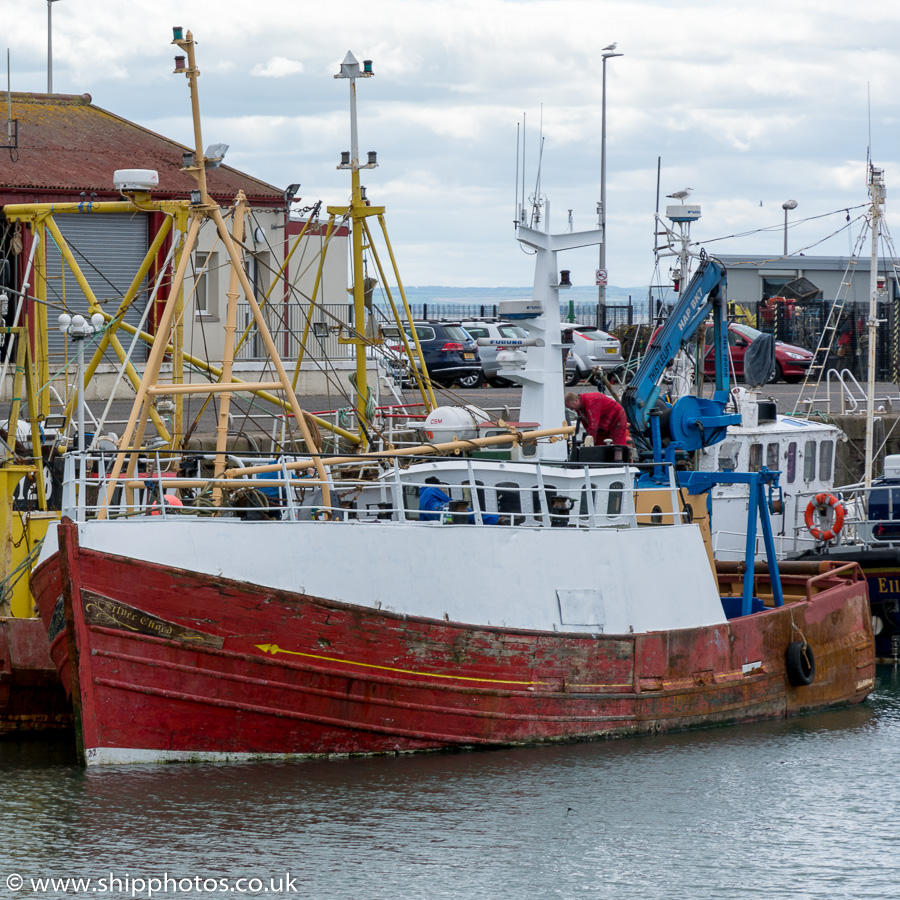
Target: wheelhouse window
729, 456
772, 456
791, 462
509, 498
809, 461
826, 458
756, 455
614, 500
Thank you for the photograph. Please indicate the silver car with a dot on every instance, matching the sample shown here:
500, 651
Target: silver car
592, 348
493, 328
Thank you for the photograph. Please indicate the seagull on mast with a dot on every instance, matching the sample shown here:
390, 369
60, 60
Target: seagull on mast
611, 47
680, 195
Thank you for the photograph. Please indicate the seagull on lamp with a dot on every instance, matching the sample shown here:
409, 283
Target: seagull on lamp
680, 195
611, 47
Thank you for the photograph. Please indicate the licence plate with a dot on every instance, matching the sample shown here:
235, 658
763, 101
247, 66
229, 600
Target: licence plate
611, 350
468, 356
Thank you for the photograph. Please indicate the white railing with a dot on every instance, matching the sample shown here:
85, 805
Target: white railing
871, 517
576, 497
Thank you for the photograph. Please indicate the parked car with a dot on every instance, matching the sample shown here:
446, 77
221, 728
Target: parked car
791, 362
592, 348
450, 353
497, 329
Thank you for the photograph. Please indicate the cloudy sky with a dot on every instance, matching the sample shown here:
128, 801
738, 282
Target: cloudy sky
750, 104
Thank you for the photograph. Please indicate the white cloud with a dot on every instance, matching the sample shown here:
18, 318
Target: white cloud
745, 102
277, 67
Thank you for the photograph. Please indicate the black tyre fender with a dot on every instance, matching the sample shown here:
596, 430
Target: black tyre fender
800, 664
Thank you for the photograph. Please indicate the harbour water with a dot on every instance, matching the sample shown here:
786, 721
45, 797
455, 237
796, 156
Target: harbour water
790, 809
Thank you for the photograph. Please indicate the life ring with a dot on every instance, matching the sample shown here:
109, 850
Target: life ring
819, 503
800, 664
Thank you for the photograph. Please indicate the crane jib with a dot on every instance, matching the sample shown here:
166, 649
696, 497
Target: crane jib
702, 294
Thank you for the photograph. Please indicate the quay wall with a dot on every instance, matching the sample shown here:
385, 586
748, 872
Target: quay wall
850, 457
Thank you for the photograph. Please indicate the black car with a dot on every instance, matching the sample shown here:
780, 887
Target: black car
450, 353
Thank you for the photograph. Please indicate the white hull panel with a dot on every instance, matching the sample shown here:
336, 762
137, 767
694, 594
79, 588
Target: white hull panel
612, 581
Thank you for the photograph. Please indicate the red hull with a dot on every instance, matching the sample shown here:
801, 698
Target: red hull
31, 696
165, 663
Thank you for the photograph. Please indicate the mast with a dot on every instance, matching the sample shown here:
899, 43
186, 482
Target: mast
350, 69
877, 193
202, 208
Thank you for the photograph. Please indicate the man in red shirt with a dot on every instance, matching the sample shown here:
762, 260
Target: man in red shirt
603, 418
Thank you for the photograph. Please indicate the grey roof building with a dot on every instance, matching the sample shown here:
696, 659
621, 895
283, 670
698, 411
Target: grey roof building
755, 278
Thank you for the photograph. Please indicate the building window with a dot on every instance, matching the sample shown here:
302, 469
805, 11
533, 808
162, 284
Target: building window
772, 285
204, 304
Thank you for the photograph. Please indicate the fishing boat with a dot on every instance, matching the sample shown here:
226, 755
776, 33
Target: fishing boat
31, 695
858, 522
544, 601
799, 451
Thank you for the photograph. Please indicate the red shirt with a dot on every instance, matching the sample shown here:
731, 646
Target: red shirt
603, 418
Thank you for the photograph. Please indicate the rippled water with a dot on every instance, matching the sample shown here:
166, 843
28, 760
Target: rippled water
793, 809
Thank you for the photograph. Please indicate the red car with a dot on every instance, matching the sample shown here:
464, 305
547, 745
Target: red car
791, 362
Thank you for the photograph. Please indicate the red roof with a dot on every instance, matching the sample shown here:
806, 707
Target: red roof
67, 145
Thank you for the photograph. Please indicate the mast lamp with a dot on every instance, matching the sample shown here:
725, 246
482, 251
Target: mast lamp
350, 68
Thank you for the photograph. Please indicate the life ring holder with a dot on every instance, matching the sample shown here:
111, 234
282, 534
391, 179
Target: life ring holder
819, 503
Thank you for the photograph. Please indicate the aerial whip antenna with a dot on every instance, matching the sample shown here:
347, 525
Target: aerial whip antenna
516, 207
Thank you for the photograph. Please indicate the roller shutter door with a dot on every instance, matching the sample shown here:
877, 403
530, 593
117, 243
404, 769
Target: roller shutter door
109, 250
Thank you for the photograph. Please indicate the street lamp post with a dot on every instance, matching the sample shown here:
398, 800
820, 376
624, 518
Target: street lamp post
788, 204
50, 45
78, 328
289, 193
601, 298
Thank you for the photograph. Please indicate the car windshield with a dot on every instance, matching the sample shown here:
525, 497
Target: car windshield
512, 331
592, 333
425, 332
457, 333
750, 333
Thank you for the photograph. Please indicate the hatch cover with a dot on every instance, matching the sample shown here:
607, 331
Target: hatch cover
583, 607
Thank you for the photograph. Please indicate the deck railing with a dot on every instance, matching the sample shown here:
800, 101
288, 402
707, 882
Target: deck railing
573, 496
